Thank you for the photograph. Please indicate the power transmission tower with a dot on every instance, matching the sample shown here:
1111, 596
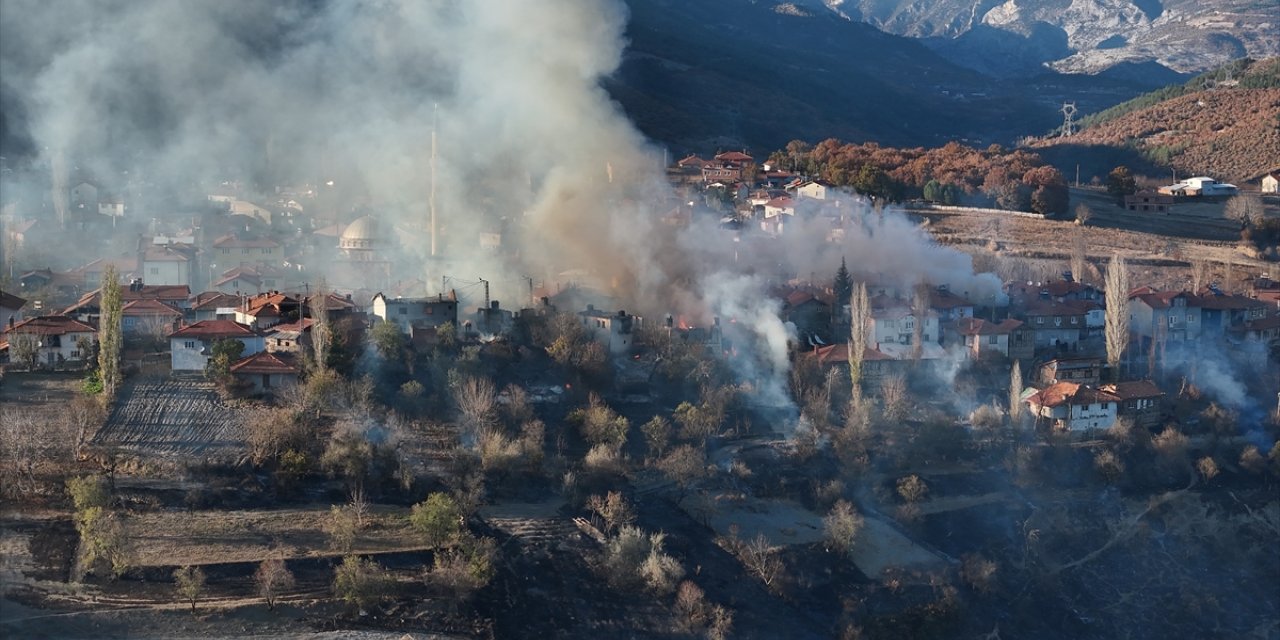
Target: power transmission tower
1068, 119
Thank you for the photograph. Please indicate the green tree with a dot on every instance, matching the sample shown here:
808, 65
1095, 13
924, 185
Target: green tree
223, 354
843, 284
110, 338
1120, 182
389, 341
933, 191
438, 519
360, 582
189, 583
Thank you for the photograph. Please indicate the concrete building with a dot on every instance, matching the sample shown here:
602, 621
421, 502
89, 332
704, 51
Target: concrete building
265, 372
408, 313
614, 330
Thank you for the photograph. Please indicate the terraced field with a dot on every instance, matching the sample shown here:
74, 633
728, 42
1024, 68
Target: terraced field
173, 417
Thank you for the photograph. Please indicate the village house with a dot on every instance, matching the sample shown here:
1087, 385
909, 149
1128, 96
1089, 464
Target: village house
268, 309
1219, 312
190, 346
90, 275
1067, 289
167, 264
896, 324
815, 190
1138, 400
1149, 202
293, 337
876, 365
949, 306
1271, 183
491, 320
89, 306
239, 280
149, 317
212, 305
1008, 338
1074, 407
265, 371
55, 339
233, 249
1057, 325
10, 308
335, 305
1165, 316
811, 314
1200, 186
616, 331
408, 313
1078, 370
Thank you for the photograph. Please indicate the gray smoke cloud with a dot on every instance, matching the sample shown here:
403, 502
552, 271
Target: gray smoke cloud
174, 94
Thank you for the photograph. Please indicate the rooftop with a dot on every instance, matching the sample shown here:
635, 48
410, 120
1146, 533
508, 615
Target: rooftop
215, 329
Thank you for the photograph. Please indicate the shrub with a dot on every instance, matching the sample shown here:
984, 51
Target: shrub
841, 527
273, 578
438, 519
189, 584
360, 582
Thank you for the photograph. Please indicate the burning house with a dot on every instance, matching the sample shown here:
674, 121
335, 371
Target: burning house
616, 331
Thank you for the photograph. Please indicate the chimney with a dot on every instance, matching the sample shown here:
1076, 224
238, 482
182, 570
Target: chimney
493, 305
591, 307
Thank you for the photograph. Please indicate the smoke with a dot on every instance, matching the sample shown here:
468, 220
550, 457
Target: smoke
163, 96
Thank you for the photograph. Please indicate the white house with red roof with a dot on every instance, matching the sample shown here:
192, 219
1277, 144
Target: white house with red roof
265, 371
191, 346
1075, 407
147, 315
1008, 338
56, 338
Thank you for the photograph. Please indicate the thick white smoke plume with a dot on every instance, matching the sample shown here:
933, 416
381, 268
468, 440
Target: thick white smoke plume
167, 96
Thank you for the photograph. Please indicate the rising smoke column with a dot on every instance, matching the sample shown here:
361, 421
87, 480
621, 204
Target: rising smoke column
196, 92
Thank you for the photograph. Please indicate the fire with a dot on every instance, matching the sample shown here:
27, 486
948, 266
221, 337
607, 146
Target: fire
683, 324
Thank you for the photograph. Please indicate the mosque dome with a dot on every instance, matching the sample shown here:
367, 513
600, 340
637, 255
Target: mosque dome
363, 233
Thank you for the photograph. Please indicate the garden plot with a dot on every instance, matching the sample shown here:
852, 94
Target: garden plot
173, 417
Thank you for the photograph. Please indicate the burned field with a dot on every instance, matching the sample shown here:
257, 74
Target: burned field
172, 418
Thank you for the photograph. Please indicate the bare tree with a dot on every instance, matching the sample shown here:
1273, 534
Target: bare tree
1245, 208
860, 317
919, 309
1199, 273
273, 578
1117, 318
321, 329
613, 509
684, 466
761, 558
1015, 392
25, 349
1083, 214
1079, 255
842, 526
893, 393
477, 401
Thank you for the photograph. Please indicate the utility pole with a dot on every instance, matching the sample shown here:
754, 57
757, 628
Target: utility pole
531, 301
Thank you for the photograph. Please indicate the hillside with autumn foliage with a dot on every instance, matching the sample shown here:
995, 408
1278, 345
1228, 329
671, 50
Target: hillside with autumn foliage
953, 174
1226, 126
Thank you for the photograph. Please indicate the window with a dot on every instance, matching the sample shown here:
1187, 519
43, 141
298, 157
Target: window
1073, 320
190, 344
1039, 319
1173, 320
1190, 318
226, 251
991, 339
75, 353
155, 271
1057, 322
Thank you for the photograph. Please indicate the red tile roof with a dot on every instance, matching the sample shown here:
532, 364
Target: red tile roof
213, 300
214, 329
1133, 390
839, 354
980, 327
265, 362
1070, 393
232, 242
733, 156
51, 326
148, 308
